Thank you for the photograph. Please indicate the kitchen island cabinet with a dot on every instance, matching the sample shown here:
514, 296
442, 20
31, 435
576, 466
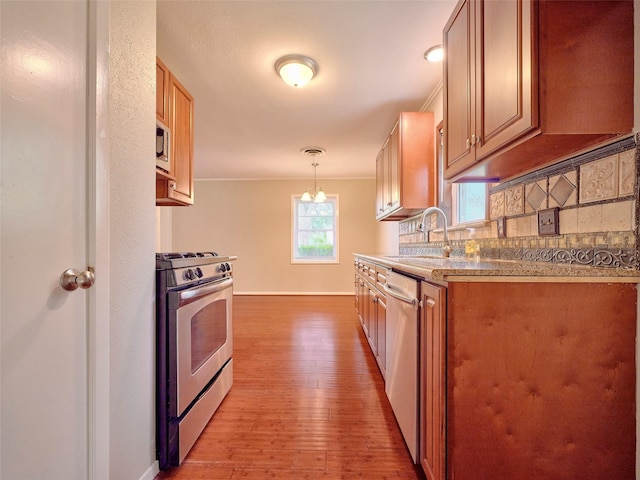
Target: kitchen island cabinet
529, 82
174, 108
527, 370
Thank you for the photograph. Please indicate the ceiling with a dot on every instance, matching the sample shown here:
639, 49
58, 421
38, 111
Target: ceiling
250, 124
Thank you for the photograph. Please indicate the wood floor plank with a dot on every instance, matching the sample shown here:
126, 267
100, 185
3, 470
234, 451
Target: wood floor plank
307, 401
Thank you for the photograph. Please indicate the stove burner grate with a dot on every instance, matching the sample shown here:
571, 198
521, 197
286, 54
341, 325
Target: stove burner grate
176, 255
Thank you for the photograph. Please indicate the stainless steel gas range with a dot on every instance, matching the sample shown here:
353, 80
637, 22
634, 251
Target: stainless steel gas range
194, 347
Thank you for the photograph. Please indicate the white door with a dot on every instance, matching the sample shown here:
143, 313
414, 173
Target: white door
48, 224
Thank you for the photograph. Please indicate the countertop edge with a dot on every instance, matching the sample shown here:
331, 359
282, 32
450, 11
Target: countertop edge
463, 270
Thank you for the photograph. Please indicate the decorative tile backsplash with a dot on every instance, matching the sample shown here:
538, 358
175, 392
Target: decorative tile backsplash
536, 196
563, 190
514, 201
496, 205
596, 194
599, 180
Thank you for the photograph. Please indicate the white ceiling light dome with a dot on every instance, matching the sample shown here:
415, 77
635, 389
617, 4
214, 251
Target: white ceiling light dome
296, 70
434, 54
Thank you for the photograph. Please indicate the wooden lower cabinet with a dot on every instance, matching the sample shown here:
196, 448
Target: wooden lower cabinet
433, 321
528, 380
371, 305
381, 332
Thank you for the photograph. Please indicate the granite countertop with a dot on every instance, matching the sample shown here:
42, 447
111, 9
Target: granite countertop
460, 269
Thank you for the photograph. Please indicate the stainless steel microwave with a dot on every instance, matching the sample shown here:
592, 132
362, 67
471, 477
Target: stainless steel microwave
163, 156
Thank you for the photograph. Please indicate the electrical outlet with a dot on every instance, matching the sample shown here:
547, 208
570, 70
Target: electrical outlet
548, 222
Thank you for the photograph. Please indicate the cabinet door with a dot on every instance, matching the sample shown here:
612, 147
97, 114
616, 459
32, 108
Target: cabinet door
489, 95
361, 301
459, 95
371, 319
381, 321
162, 92
504, 98
381, 178
432, 382
395, 165
182, 141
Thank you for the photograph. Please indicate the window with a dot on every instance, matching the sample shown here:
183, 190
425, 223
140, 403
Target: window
463, 203
470, 200
315, 230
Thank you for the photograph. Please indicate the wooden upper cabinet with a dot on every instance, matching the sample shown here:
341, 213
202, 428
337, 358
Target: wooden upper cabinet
527, 83
176, 189
162, 92
458, 92
406, 173
182, 147
382, 168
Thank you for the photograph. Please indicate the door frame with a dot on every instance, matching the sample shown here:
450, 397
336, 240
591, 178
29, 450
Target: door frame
98, 305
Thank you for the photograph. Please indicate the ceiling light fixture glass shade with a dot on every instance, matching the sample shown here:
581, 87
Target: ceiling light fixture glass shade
434, 54
318, 196
296, 70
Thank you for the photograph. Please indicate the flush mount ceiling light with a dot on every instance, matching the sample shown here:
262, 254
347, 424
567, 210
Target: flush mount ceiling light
296, 70
434, 54
318, 195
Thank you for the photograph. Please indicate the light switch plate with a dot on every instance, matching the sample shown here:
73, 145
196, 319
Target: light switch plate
548, 222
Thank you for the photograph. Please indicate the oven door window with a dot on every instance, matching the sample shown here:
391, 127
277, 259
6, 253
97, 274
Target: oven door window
208, 332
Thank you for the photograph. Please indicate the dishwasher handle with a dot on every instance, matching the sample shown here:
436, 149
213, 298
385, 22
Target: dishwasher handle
411, 301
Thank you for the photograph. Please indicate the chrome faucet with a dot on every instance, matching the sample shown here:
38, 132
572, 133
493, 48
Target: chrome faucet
446, 249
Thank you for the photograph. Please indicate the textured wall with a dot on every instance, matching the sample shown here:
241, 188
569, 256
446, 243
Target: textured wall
132, 238
252, 219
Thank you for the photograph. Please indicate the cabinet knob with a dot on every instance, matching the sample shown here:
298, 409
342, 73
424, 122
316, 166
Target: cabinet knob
468, 143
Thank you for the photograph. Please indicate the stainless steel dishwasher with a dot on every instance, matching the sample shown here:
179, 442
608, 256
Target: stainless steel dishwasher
401, 381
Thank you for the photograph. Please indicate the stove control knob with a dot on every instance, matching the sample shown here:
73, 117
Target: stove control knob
228, 267
222, 268
198, 272
188, 274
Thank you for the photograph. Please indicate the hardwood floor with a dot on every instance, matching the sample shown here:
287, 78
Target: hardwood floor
307, 401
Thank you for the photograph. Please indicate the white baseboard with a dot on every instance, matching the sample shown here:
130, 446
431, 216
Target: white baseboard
151, 473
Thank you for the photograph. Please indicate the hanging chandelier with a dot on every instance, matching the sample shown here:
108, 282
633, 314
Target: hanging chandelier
317, 195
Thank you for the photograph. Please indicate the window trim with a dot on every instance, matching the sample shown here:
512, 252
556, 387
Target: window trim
445, 189
334, 261
455, 198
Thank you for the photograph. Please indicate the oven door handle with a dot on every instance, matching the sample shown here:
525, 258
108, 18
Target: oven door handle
190, 295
